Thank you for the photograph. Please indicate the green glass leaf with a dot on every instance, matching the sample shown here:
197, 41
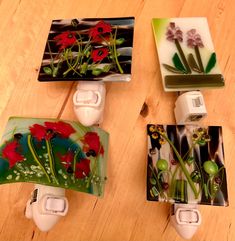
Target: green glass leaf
55, 71
83, 68
178, 64
113, 57
215, 188
153, 181
87, 51
211, 63
88, 54
47, 70
190, 160
172, 69
199, 59
201, 142
97, 72
193, 64
106, 68
120, 41
154, 191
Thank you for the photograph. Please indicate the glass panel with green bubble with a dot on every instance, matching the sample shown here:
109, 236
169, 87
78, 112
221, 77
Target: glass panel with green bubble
186, 165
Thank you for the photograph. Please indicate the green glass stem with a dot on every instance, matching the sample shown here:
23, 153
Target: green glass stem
84, 50
74, 163
51, 160
93, 172
181, 53
209, 187
115, 53
205, 190
180, 192
199, 59
162, 172
198, 166
71, 67
110, 47
35, 156
172, 186
184, 169
188, 152
79, 58
158, 183
52, 60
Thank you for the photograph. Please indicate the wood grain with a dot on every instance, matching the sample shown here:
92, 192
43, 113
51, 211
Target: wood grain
123, 213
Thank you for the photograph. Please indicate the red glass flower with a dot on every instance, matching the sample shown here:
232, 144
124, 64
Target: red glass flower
174, 33
62, 128
99, 54
99, 29
82, 168
46, 132
67, 159
194, 39
40, 132
9, 152
65, 39
92, 142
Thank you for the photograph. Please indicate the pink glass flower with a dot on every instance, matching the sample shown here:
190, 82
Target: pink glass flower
174, 33
194, 39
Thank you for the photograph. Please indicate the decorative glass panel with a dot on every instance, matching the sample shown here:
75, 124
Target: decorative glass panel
88, 49
186, 54
186, 165
54, 152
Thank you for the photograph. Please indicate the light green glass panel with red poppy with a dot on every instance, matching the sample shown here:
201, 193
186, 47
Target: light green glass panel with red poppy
186, 54
91, 49
54, 152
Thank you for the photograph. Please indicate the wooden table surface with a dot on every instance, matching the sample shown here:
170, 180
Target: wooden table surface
124, 213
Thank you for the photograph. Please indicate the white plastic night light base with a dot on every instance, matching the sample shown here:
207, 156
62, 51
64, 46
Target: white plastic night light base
190, 108
46, 206
186, 219
88, 101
